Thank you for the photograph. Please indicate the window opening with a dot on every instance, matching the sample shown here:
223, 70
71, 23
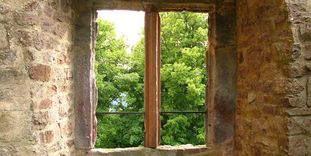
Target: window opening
183, 77
119, 69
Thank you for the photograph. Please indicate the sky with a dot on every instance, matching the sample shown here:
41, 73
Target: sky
127, 23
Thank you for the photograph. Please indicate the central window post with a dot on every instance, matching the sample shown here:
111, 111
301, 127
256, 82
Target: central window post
152, 78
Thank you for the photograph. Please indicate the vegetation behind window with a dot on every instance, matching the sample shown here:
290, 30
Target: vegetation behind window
183, 76
120, 82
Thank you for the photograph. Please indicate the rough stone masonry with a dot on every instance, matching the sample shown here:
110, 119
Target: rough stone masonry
273, 114
46, 77
36, 108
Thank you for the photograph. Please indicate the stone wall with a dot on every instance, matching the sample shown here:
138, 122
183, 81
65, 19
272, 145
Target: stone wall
299, 70
46, 71
273, 114
264, 48
36, 113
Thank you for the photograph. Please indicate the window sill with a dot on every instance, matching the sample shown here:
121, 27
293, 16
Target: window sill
143, 151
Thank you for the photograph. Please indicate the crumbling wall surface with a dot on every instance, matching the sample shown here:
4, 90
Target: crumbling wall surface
36, 108
264, 47
299, 70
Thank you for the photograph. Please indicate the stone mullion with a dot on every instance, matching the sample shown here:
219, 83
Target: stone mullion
85, 89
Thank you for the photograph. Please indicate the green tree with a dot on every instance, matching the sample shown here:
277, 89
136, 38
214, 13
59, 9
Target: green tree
120, 88
183, 76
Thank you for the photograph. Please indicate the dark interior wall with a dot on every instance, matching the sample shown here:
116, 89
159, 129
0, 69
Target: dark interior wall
222, 77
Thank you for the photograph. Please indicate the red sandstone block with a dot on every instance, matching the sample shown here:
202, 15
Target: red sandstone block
44, 104
40, 72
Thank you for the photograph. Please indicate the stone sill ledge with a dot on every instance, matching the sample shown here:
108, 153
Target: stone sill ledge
143, 151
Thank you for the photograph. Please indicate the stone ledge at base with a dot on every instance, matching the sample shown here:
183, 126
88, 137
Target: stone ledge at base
183, 150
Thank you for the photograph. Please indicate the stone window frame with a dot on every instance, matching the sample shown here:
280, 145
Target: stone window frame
221, 58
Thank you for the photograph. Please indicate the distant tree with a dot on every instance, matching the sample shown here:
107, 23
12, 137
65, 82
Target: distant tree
120, 89
183, 76
109, 65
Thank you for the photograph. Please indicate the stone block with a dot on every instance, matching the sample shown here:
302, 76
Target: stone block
65, 5
32, 6
3, 37
52, 43
40, 73
31, 39
10, 75
13, 98
296, 51
4, 8
287, 86
251, 97
7, 57
7, 151
306, 50
299, 111
44, 104
296, 70
305, 32
26, 18
47, 25
3, 19
300, 125
297, 101
14, 127
59, 30
63, 105
24, 37
308, 66
299, 145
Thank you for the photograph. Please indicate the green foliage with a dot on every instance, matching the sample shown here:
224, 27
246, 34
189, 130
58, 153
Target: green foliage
120, 77
120, 131
183, 76
120, 88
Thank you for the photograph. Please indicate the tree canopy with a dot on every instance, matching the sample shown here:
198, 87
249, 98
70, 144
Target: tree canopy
120, 82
